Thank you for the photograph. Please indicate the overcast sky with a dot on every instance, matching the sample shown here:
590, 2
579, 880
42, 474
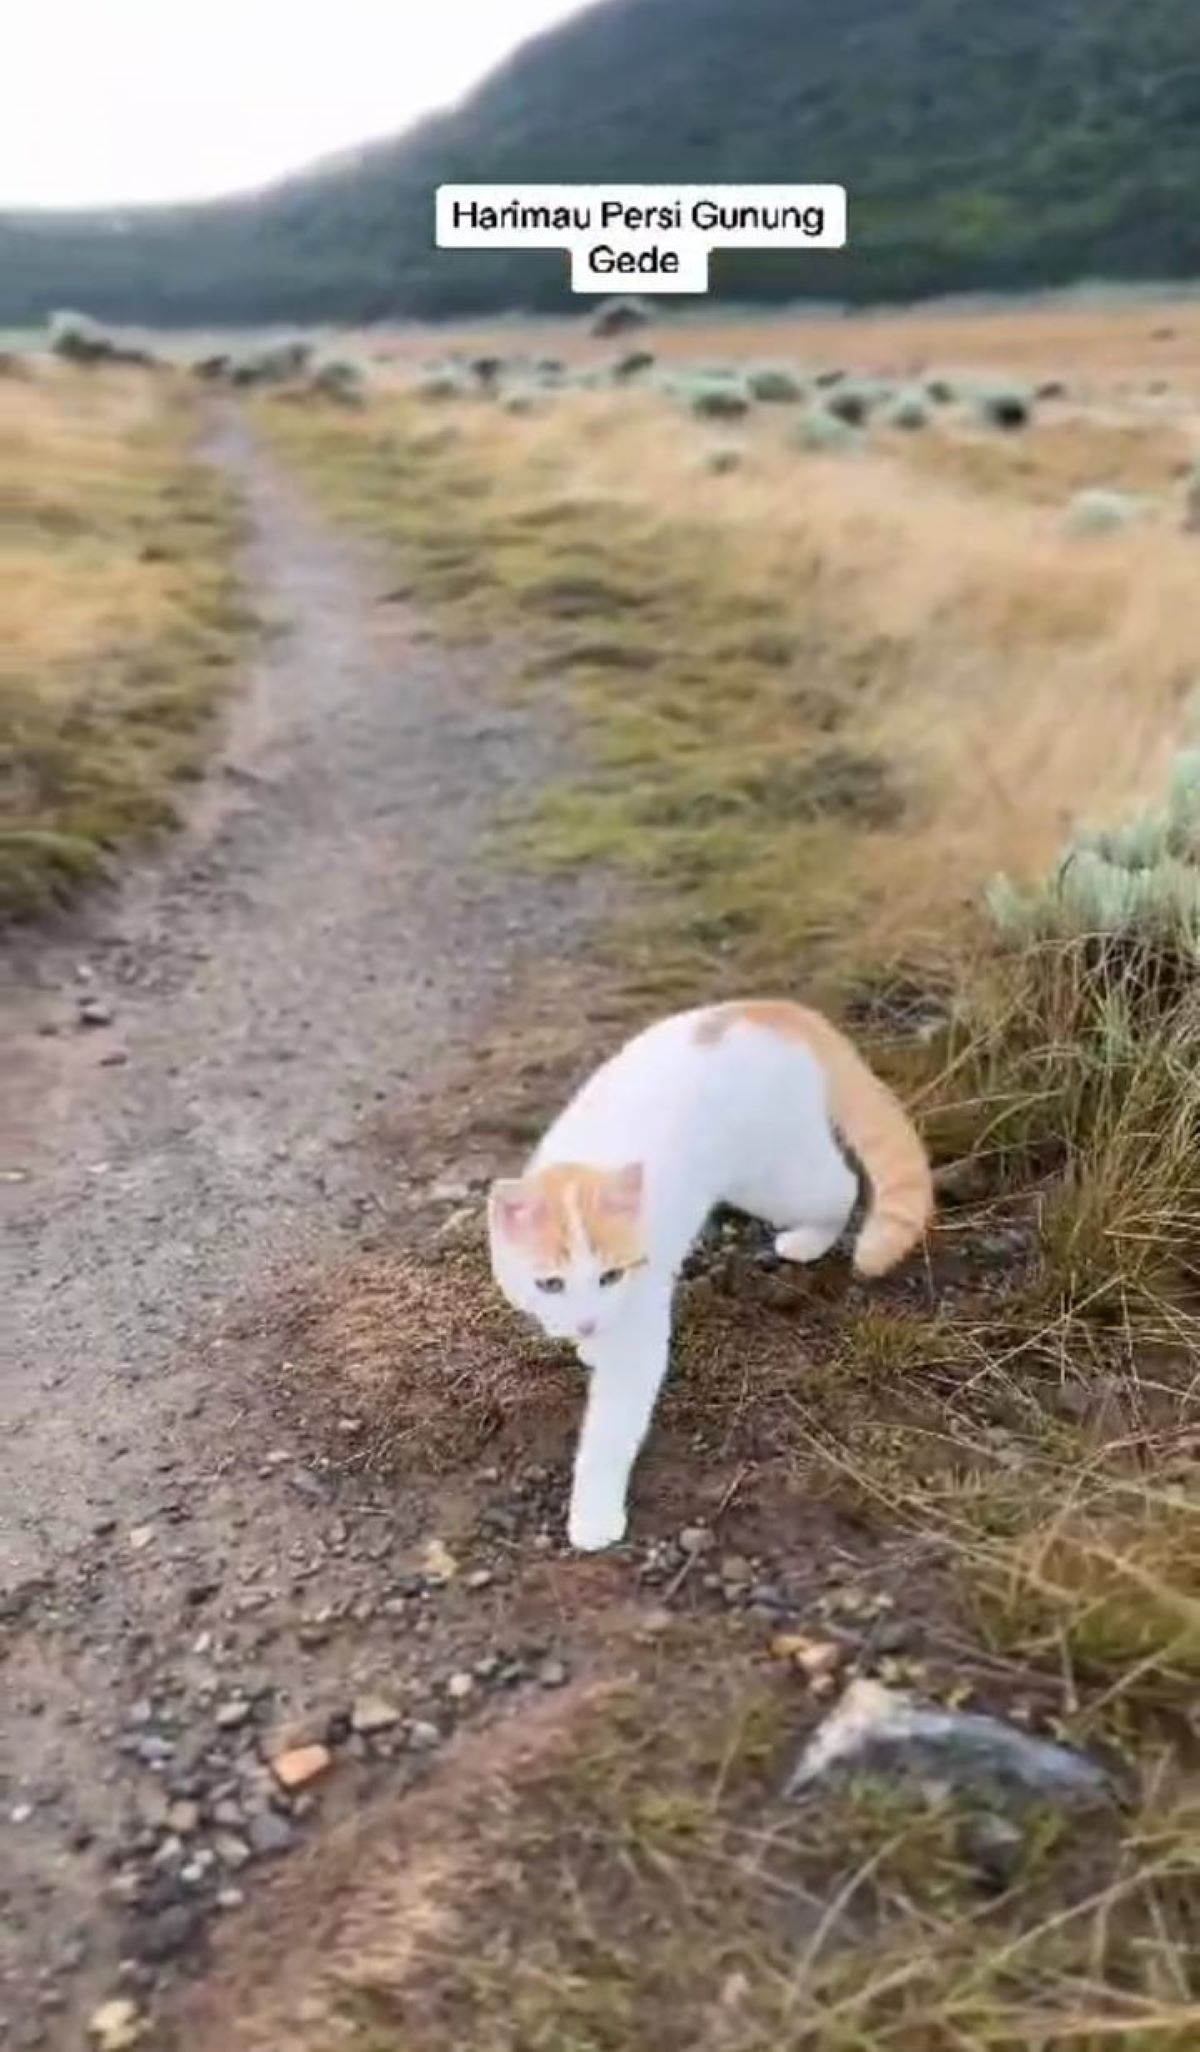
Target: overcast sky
105, 101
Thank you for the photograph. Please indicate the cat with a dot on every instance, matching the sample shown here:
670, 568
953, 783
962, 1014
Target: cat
738, 1104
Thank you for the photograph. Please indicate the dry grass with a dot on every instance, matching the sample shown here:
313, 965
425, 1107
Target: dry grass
118, 622
820, 703
808, 644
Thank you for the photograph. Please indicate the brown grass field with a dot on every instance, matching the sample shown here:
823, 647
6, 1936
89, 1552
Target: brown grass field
118, 620
821, 700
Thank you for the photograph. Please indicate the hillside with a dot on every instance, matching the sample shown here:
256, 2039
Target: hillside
983, 147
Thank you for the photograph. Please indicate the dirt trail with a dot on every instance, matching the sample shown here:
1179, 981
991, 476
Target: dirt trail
325, 926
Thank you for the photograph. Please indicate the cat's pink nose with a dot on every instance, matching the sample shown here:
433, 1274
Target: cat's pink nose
587, 1328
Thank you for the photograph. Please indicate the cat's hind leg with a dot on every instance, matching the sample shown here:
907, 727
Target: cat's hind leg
808, 1201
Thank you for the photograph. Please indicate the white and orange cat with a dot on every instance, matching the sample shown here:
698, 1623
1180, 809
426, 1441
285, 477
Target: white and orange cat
737, 1104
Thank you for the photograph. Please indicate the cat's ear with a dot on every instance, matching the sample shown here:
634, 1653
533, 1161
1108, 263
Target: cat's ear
623, 1191
515, 1210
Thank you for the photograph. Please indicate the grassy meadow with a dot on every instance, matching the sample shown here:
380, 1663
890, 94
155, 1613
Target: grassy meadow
871, 713
824, 697
119, 619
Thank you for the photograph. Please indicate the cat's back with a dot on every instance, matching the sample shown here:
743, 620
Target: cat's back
649, 1083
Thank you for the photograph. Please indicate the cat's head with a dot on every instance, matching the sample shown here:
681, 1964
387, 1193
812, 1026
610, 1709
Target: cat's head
566, 1242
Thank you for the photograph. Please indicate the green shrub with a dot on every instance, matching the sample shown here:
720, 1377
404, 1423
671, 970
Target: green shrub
908, 410
620, 316
821, 430
718, 398
634, 364
1099, 511
340, 380
854, 400
1004, 406
1140, 881
775, 384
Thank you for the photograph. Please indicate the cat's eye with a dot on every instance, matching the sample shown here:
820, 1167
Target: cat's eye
611, 1276
552, 1284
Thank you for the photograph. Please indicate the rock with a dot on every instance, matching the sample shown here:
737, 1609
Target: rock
480, 1578
232, 1715
232, 1851
735, 1570
170, 1932
300, 1765
423, 1737
115, 2025
92, 1011
372, 1714
269, 1834
183, 1818
439, 1562
552, 1674
140, 1537
816, 1658
695, 1539
874, 1725
460, 1686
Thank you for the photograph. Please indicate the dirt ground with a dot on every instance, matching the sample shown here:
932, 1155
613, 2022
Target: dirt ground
328, 933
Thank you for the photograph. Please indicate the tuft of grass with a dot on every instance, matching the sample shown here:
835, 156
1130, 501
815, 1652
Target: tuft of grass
120, 621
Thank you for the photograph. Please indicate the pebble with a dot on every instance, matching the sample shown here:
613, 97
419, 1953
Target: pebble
231, 1850
552, 1674
115, 2025
480, 1578
270, 1833
424, 1737
459, 1687
232, 1715
183, 1818
814, 1657
300, 1765
140, 1537
695, 1539
92, 1011
371, 1714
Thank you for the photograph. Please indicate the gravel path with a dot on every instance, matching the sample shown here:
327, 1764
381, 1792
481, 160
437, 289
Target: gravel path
190, 1069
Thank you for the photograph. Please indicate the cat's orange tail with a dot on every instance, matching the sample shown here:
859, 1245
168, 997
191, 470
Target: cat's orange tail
874, 1123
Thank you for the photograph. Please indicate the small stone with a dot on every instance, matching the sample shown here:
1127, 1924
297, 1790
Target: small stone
439, 1562
995, 1846
171, 1931
115, 1058
552, 1674
92, 1011
424, 1737
480, 1578
232, 1715
270, 1833
300, 1765
115, 2025
817, 1658
736, 1570
20, 1813
183, 1818
230, 1898
371, 1714
228, 1814
459, 1687
695, 1539
231, 1850
140, 1537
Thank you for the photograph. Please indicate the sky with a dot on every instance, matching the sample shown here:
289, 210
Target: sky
104, 102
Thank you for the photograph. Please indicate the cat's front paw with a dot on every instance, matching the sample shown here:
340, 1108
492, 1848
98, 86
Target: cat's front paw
590, 1528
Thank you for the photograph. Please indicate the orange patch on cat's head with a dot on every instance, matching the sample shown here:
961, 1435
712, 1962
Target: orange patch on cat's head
553, 1212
